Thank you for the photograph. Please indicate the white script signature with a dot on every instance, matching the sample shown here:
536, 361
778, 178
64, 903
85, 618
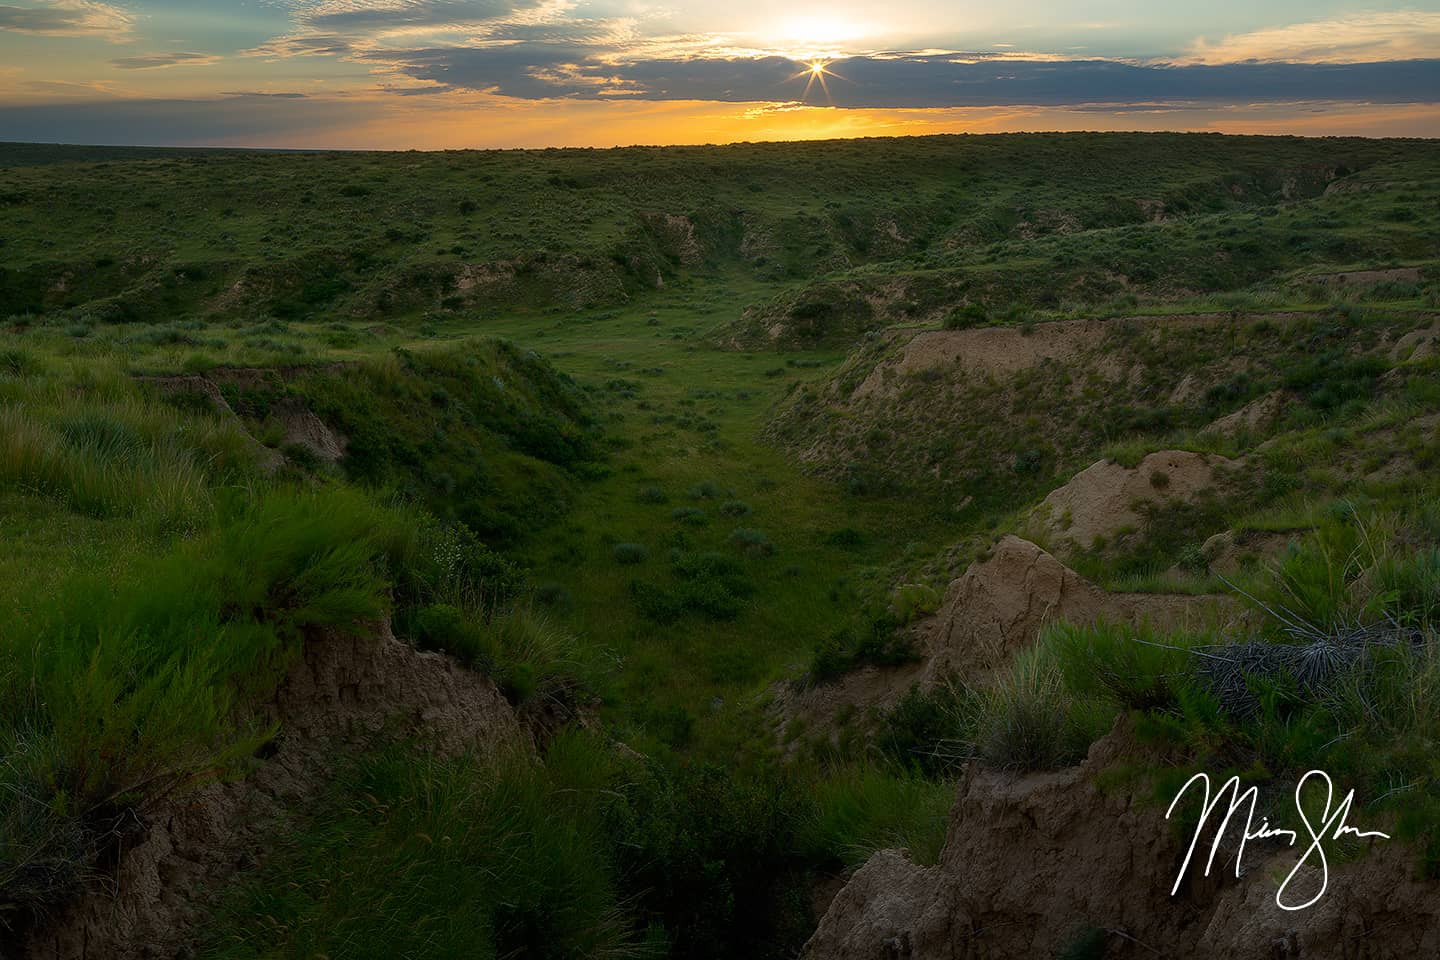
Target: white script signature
1332, 826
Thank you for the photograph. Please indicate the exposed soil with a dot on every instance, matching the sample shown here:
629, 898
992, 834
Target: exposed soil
1417, 345
1368, 278
1001, 603
1036, 864
1104, 499
1229, 552
344, 693
1257, 415
1004, 351
825, 710
303, 429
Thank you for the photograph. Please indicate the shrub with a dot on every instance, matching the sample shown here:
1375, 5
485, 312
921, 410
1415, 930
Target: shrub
704, 491
652, 495
753, 542
553, 595
715, 857
846, 537
877, 641
630, 553
911, 601
930, 731
448, 629
967, 316
655, 602
734, 508
691, 515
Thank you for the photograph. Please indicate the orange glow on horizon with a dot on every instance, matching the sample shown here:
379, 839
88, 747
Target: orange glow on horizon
441, 123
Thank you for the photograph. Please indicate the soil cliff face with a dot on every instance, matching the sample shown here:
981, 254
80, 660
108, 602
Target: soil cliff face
345, 691
1041, 864
999, 605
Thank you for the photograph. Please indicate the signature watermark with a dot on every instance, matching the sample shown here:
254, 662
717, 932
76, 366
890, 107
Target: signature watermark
1332, 825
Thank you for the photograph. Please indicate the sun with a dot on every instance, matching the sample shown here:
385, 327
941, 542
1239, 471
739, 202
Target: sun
814, 73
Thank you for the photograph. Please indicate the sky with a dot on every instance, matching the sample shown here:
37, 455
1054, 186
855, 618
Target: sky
430, 74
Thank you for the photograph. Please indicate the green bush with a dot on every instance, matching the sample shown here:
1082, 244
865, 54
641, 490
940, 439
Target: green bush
929, 731
715, 857
652, 495
877, 641
752, 542
704, 491
630, 553
691, 515
967, 316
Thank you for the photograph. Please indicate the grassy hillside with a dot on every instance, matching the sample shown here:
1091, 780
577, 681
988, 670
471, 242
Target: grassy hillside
654, 439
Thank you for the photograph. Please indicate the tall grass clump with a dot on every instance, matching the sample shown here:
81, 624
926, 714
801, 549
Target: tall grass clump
133, 691
860, 810
418, 856
1030, 719
125, 457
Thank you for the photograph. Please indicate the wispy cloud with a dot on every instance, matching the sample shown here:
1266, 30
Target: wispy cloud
67, 18
395, 17
154, 61
303, 45
341, 27
1359, 38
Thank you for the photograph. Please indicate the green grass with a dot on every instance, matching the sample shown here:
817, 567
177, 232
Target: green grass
413, 856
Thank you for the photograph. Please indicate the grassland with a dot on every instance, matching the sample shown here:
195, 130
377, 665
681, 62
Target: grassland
576, 457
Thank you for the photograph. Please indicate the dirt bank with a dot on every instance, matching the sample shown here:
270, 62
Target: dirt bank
1040, 864
344, 693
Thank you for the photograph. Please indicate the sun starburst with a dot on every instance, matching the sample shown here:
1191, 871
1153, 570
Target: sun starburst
814, 73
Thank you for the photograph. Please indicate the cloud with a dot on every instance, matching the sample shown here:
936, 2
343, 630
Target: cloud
388, 16
67, 18
550, 71
303, 46
88, 90
156, 60
1360, 38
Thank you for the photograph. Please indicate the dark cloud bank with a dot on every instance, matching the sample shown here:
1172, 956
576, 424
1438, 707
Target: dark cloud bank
536, 71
